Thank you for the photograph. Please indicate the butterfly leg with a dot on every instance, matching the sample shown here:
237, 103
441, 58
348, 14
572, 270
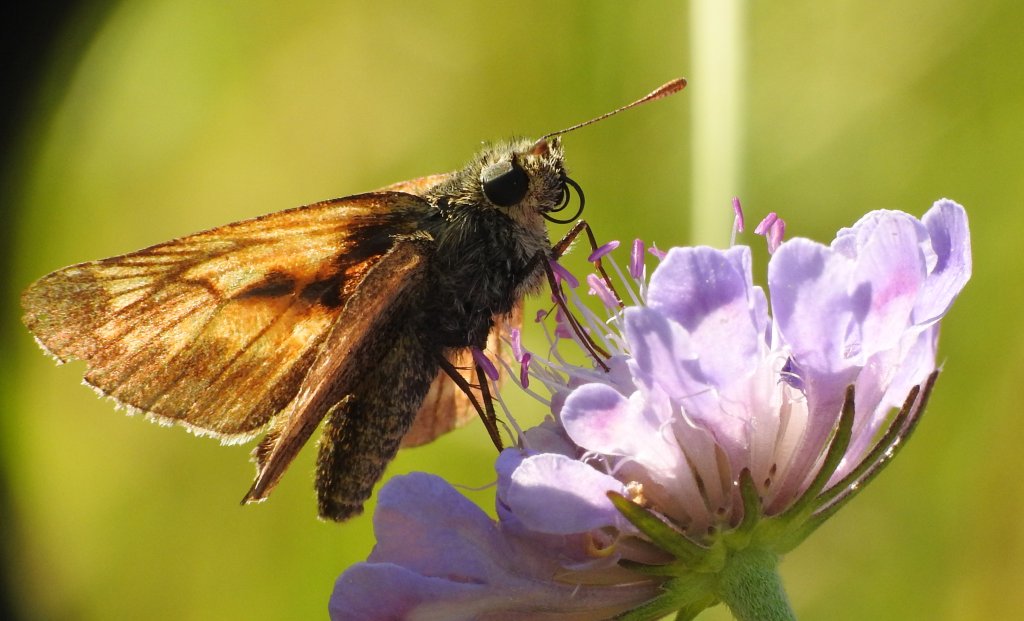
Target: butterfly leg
596, 351
563, 244
486, 412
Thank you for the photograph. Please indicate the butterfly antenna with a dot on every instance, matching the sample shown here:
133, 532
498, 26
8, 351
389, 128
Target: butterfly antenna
669, 88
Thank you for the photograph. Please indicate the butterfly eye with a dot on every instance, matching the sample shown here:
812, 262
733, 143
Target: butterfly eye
504, 183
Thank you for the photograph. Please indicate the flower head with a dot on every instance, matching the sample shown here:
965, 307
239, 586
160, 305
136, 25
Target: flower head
726, 429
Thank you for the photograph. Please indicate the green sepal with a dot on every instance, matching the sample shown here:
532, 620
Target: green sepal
683, 596
660, 533
675, 568
895, 438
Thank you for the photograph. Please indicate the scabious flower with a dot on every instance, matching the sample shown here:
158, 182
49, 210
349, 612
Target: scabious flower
725, 429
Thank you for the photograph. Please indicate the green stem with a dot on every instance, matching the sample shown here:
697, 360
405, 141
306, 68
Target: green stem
750, 586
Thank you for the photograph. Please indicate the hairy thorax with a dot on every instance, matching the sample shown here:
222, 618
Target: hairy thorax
483, 263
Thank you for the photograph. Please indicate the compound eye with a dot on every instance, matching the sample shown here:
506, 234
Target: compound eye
505, 183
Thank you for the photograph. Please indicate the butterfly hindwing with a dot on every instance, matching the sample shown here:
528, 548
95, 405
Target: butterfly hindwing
376, 360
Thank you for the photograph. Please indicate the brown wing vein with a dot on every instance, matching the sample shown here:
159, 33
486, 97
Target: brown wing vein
143, 349
152, 310
184, 371
241, 351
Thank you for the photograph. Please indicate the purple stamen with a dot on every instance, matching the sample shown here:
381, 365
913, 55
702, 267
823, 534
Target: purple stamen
765, 225
524, 370
516, 336
485, 363
562, 327
563, 274
775, 235
636, 260
603, 250
737, 223
658, 253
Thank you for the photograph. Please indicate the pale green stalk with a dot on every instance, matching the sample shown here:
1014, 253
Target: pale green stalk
717, 90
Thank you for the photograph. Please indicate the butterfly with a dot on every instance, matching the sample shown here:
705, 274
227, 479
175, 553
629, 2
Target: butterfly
358, 315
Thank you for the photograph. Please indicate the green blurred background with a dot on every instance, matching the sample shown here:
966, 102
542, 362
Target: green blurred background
154, 119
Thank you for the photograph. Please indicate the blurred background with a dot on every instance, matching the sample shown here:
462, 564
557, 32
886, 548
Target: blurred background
130, 123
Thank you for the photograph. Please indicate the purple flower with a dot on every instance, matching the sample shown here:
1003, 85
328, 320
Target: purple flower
725, 431
438, 556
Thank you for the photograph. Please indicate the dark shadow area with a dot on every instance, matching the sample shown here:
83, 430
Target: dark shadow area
39, 41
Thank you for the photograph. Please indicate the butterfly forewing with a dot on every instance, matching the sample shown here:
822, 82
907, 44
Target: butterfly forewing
216, 330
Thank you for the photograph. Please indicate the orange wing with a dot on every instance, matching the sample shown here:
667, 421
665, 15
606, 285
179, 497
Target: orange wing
418, 186
215, 331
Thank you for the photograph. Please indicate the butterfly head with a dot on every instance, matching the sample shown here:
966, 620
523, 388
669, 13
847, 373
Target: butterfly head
526, 179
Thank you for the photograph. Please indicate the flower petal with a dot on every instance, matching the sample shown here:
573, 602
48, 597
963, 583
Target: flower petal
424, 524
663, 355
382, 592
890, 262
815, 309
439, 557
710, 293
950, 240
598, 418
555, 494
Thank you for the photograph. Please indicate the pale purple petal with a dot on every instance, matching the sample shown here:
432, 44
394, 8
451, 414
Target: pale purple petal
438, 556
838, 306
818, 310
547, 437
621, 374
426, 525
663, 355
390, 593
710, 293
847, 312
883, 385
950, 241
558, 495
817, 307
636, 433
385, 592
600, 419
890, 262
601, 290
